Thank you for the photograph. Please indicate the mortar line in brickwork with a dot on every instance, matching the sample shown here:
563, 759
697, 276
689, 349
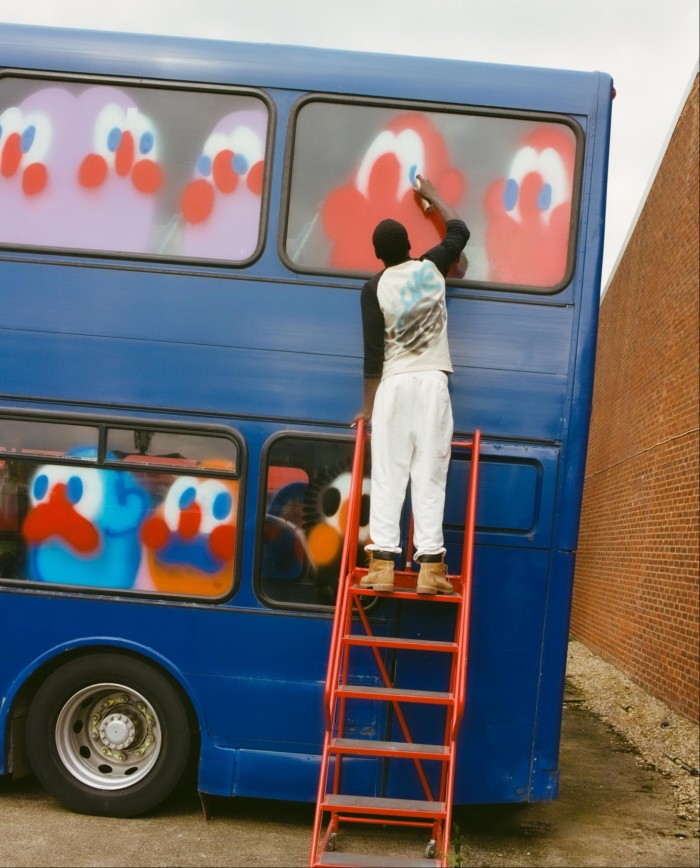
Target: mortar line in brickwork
642, 451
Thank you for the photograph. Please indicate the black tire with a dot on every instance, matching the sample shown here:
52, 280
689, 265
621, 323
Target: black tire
108, 735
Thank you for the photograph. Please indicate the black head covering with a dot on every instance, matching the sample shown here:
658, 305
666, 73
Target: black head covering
391, 243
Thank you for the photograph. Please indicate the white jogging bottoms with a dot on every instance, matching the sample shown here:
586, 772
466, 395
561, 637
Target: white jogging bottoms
411, 439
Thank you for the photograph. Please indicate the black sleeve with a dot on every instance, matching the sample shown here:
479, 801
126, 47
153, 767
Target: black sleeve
447, 252
372, 330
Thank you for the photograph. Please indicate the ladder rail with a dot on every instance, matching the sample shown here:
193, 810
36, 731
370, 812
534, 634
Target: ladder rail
462, 637
342, 598
467, 576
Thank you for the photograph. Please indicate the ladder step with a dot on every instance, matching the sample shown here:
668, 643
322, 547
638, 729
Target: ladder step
366, 860
392, 642
408, 750
409, 594
386, 807
359, 691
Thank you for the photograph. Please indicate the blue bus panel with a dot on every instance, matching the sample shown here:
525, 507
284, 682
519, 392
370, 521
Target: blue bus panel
184, 233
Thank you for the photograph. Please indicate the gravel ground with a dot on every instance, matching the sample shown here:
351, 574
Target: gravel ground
622, 803
662, 739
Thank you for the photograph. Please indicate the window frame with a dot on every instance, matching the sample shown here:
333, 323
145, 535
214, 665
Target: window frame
192, 87
104, 424
258, 579
435, 108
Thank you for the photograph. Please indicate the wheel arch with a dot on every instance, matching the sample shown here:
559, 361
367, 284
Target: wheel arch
28, 680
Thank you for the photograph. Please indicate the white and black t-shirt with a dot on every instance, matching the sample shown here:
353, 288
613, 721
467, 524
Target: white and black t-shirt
404, 317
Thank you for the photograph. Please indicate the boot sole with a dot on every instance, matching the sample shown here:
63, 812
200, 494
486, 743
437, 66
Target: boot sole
423, 589
377, 587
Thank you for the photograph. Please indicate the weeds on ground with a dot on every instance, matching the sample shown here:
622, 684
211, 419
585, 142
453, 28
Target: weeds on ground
455, 858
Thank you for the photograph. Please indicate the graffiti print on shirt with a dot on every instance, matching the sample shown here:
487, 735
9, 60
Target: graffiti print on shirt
420, 314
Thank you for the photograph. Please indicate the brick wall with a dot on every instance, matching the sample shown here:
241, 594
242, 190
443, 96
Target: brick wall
636, 586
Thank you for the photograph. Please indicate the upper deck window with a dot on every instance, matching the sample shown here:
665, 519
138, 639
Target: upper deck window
511, 178
131, 170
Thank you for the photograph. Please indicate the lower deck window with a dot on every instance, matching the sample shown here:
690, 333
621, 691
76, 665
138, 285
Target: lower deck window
308, 485
154, 522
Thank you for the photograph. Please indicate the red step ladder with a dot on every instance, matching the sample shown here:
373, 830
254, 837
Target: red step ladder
352, 630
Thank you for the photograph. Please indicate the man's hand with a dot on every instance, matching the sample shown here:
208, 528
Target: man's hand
425, 190
371, 384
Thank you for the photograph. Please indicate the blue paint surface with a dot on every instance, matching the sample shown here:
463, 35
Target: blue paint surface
261, 350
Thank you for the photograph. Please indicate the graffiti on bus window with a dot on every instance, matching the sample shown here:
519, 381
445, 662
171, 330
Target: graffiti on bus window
106, 528
189, 539
511, 179
131, 170
78, 171
382, 187
221, 204
305, 519
529, 211
82, 526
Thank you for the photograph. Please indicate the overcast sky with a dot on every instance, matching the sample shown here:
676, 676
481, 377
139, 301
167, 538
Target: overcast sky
650, 49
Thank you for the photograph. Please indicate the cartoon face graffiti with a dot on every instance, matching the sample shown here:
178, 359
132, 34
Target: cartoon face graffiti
78, 170
221, 204
190, 540
119, 171
529, 211
382, 187
32, 171
326, 513
82, 527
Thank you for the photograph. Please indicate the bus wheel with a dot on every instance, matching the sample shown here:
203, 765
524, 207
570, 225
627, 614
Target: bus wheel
108, 735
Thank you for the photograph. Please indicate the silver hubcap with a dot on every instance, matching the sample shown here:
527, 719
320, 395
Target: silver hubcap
108, 736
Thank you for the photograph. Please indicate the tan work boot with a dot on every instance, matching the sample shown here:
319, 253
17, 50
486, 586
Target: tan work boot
380, 575
432, 579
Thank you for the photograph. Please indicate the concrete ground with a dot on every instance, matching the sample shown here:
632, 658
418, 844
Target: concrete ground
612, 811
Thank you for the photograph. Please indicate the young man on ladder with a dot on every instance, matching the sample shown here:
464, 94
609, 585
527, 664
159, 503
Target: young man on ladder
406, 397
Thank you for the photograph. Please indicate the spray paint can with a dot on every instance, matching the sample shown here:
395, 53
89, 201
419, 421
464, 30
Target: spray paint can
424, 202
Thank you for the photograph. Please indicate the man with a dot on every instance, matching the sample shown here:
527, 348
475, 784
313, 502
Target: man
406, 367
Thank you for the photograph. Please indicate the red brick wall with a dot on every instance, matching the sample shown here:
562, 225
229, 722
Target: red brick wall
636, 586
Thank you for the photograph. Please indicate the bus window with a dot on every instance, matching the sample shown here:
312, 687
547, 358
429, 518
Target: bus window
167, 528
512, 178
172, 448
308, 483
131, 170
53, 439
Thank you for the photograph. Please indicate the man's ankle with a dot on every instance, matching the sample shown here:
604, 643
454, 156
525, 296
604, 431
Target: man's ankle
381, 554
430, 559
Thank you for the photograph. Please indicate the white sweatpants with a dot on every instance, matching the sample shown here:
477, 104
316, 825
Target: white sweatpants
411, 439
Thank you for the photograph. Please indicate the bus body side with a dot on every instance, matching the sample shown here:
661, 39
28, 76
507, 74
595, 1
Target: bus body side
263, 359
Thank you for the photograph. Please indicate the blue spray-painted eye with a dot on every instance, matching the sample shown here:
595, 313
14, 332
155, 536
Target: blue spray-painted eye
146, 143
239, 164
510, 194
544, 200
74, 489
28, 137
41, 486
412, 172
222, 505
187, 497
204, 165
114, 138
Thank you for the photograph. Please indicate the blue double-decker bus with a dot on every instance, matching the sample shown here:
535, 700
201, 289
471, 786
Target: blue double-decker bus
185, 227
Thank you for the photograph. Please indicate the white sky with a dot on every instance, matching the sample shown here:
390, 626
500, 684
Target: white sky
649, 47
